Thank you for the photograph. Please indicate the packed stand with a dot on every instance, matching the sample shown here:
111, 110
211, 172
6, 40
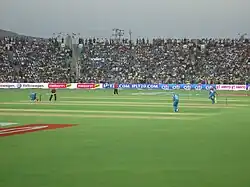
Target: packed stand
167, 61
33, 60
142, 61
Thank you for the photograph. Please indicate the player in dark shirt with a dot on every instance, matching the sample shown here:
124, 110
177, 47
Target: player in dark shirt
53, 93
116, 88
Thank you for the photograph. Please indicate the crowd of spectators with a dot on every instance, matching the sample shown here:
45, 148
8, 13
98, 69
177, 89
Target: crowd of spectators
140, 61
33, 60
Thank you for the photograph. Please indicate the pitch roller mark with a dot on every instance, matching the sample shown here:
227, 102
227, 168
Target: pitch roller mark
107, 112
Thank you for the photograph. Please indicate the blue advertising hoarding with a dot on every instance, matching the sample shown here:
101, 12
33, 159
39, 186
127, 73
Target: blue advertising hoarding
163, 86
187, 86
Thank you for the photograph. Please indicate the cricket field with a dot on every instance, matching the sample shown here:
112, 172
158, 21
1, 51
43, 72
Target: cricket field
91, 138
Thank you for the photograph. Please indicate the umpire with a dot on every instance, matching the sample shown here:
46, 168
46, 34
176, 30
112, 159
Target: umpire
116, 88
53, 93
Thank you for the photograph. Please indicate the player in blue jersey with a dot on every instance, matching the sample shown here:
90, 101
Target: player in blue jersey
212, 95
33, 97
175, 102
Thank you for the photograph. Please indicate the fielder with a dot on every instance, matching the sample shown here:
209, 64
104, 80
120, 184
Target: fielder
175, 102
33, 97
212, 95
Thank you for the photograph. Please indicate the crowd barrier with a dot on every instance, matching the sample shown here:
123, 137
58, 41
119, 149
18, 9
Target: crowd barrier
124, 86
163, 86
51, 85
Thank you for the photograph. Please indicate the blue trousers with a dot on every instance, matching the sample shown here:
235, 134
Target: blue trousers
212, 99
33, 98
175, 106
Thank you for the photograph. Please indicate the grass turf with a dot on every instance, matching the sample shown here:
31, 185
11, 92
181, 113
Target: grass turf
203, 146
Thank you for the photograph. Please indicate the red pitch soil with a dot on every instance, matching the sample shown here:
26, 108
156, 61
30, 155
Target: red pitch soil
30, 128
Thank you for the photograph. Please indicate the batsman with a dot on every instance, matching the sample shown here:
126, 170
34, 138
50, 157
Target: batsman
53, 94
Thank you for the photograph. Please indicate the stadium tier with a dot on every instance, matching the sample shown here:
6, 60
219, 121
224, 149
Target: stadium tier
206, 61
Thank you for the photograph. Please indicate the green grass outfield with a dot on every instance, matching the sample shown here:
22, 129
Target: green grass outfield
130, 140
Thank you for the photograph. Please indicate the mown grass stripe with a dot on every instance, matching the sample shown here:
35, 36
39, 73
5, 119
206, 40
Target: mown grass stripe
108, 112
119, 104
99, 116
149, 98
148, 103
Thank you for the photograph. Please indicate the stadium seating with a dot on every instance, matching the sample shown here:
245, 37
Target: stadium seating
142, 61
